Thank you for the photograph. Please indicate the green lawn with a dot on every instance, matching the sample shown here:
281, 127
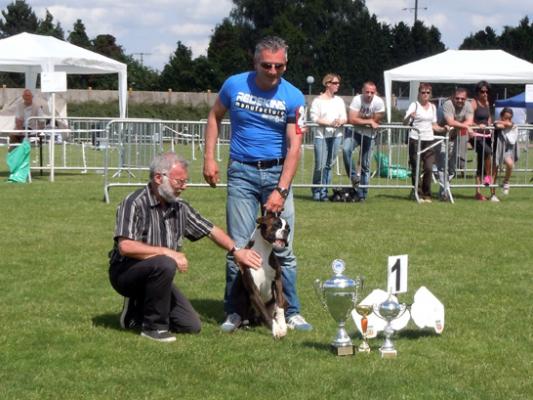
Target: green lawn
60, 337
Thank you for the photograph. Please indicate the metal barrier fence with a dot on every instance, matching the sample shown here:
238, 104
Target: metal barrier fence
75, 144
466, 160
122, 151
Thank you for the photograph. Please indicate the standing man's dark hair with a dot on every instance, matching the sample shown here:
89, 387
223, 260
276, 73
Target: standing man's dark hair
267, 117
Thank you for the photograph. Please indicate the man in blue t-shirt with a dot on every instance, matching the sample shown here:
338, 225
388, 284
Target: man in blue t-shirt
267, 117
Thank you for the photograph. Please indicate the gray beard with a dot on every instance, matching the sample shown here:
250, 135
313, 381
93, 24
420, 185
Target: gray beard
166, 191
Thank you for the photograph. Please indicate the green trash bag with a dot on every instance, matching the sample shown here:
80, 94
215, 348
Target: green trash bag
18, 162
390, 171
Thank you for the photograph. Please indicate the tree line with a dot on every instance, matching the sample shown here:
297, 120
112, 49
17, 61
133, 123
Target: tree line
323, 35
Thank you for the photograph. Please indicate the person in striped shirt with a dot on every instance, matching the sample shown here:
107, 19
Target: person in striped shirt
151, 225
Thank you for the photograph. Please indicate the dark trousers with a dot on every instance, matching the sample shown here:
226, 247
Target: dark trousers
427, 158
150, 283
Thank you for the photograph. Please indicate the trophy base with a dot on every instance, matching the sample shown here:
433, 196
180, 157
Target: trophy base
342, 350
363, 348
388, 353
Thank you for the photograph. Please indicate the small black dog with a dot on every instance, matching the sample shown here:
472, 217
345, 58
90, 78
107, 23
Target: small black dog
344, 195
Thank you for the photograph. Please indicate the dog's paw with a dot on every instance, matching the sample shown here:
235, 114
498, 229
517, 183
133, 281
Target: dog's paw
279, 330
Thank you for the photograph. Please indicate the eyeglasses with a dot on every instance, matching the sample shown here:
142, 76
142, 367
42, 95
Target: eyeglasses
178, 182
268, 66
425, 92
460, 99
334, 83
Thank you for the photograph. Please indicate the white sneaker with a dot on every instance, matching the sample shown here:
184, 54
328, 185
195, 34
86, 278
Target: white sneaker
299, 323
494, 199
505, 189
232, 322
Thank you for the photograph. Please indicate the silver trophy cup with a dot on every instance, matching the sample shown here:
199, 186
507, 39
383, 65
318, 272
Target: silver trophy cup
389, 310
338, 295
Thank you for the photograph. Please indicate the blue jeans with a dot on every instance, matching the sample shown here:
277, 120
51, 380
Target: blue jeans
325, 158
248, 190
352, 139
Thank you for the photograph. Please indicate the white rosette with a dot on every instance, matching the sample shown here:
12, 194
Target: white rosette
427, 311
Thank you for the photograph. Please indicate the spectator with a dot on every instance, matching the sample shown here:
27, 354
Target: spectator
151, 225
365, 112
27, 109
267, 115
481, 139
458, 115
422, 115
24, 111
329, 112
505, 151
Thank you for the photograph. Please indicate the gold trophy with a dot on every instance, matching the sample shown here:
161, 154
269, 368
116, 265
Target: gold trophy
364, 310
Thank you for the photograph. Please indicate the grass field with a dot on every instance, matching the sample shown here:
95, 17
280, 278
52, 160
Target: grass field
60, 337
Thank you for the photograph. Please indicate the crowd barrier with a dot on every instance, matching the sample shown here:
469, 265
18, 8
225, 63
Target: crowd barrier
122, 149
465, 161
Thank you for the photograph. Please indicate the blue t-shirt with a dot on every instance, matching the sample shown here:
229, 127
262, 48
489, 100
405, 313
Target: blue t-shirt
259, 118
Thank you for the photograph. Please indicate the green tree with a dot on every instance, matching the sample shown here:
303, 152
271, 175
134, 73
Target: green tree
78, 35
178, 74
518, 40
18, 17
229, 51
141, 77
47, 27
106, 45
486, 39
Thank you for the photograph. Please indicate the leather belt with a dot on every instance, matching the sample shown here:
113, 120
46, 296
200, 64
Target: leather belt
264, 164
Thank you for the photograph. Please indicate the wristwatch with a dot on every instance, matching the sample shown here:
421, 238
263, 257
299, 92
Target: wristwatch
282, 191
233, 250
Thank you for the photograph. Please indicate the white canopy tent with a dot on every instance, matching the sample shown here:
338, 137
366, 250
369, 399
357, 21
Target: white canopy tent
459, 66
32, 54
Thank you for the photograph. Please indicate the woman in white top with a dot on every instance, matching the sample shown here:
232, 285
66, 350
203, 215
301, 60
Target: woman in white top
329, 112
422, 115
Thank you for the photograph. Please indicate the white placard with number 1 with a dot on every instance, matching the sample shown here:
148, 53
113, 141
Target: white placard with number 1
397, 274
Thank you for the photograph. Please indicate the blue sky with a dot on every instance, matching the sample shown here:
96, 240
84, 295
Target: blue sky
155, 26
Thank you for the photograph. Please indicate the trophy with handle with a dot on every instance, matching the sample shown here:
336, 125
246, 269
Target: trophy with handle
389, 310
338, 295
364, 310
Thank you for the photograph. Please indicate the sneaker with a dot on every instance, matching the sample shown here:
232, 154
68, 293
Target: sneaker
232, 322
299, 323
480, 197
506, 189
494, 199
488, 180
159, 335
426, 199
128, 314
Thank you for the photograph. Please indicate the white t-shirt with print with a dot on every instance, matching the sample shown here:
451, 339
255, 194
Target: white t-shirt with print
367, 110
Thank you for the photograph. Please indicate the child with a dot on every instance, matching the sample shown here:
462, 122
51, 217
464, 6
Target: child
505, 150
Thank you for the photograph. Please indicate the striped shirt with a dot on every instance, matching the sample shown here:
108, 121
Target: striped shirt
141, 217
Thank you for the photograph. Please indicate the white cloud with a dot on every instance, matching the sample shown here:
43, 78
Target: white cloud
155, 26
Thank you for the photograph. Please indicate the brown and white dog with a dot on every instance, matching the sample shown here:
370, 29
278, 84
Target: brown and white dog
263, 290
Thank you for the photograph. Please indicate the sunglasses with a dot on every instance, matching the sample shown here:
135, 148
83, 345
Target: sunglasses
268, 66
483, 91
425, 92
334, 83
